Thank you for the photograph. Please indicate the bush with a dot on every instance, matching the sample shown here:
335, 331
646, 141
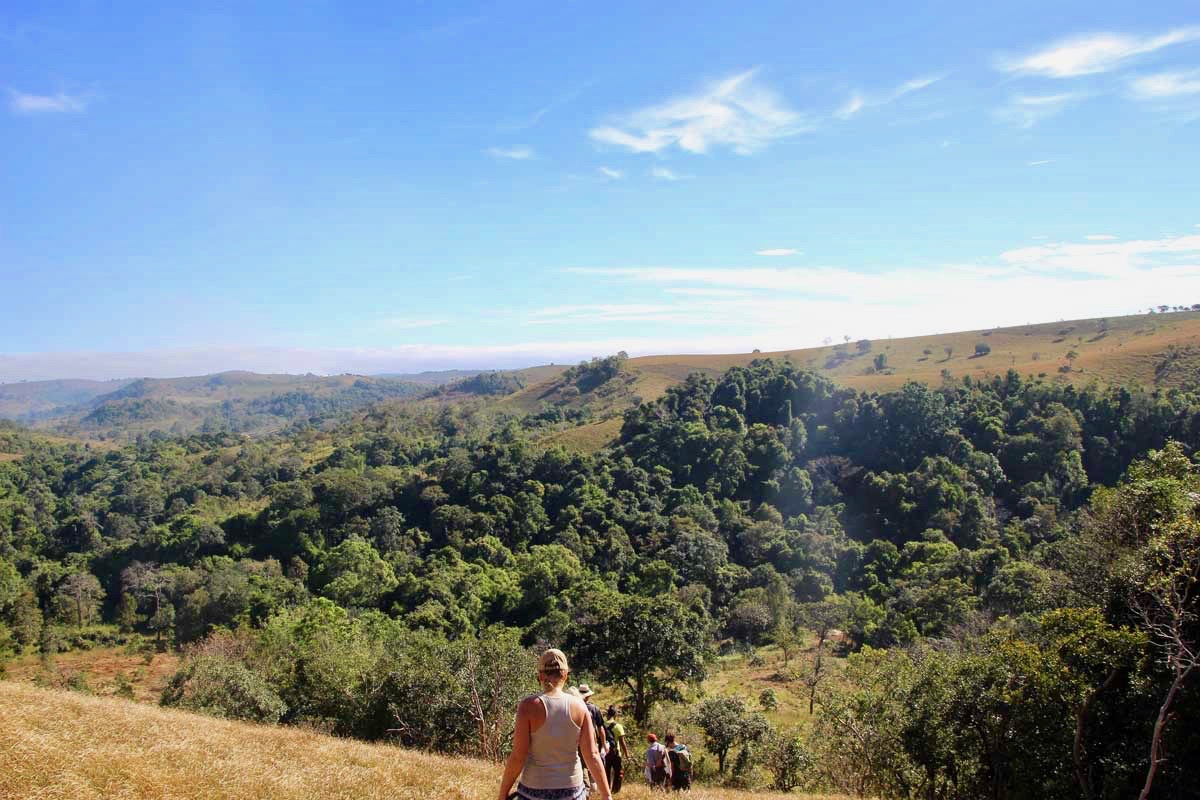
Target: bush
982, 349
788, 758
223, 688
768, 700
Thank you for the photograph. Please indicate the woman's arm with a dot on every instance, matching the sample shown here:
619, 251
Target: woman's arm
591, 757
520, 748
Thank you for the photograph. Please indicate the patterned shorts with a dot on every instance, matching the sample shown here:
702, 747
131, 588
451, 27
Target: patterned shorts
570, 793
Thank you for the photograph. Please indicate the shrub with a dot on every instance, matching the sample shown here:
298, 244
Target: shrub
221, 687
768, 700
982, 349
787, 757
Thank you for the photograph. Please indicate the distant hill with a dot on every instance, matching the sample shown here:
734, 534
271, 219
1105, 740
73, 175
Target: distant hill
29, 400
243, 402
67, 744
1147, 349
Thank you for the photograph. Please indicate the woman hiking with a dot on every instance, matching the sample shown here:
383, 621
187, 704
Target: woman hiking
552, 728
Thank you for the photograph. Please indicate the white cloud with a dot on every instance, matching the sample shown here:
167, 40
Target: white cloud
777, 251
1093, 53
735, 113
1166, 84
1041, 162
610, 173
664, 174
858, 101
518, 153
795, 307
61, 103
1025, 111
1100, 237
852, 106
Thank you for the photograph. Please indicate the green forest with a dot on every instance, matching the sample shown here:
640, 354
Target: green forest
1009, 566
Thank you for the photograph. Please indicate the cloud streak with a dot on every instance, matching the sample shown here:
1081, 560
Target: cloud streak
858, 101
517, 153
60, 103
735, 113
777, 251
1093, 53
1025, 111
1166, 85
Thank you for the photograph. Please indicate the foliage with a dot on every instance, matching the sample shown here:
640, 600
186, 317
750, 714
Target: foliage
221, 687
727, 722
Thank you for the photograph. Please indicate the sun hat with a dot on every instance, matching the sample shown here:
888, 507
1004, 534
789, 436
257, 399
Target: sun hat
585, 691
553, 660
650, 737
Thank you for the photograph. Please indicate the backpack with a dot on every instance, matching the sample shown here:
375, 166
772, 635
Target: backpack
681, 758
608, 734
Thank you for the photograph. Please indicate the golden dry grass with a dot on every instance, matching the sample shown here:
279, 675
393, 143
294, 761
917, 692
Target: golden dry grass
66, 745
100, 667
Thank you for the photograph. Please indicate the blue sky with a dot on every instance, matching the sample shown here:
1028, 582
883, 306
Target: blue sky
392, 186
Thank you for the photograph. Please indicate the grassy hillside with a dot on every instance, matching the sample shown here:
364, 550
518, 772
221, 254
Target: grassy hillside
68, 745
1151, 350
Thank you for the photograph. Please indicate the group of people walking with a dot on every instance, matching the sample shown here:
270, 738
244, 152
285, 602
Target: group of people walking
668, 764
560, 732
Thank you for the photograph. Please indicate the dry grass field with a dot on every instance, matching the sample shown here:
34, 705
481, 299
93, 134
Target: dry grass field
67, 745
99, 668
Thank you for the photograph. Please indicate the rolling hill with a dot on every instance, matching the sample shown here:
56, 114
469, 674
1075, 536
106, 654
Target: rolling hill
69, 745
1147, 349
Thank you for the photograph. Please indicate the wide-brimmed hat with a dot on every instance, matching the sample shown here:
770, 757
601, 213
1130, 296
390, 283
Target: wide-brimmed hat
553, 660
585, 691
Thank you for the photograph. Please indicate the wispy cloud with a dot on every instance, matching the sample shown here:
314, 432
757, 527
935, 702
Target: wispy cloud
797, 306
664, 174
1041, 162
859, 101
1025, 111
1093, 53
1165, 85
518, 153
606, 312
777, 251
1100, 237
60, 103
610, 173
735, 113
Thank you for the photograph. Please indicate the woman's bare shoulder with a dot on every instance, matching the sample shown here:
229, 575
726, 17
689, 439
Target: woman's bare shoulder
529, 702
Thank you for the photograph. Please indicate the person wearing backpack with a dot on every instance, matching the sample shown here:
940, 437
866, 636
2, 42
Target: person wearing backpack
681, 764
618, 750
658, 765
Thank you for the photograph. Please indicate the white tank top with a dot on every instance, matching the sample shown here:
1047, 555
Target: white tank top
553, 758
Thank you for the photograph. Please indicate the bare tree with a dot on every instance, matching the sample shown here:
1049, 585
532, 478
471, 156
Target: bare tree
1164, 596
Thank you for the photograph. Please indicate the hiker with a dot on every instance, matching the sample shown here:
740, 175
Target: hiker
658, 766
551, 729
681, 764
618, 750
586, 693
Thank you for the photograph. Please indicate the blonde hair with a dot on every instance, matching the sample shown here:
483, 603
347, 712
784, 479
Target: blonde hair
551, 679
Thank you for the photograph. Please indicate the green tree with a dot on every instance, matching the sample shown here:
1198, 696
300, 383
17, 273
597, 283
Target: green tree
727, 722
650, 646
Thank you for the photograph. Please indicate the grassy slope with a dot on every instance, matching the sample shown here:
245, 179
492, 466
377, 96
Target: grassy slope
1130, 352
68, 745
